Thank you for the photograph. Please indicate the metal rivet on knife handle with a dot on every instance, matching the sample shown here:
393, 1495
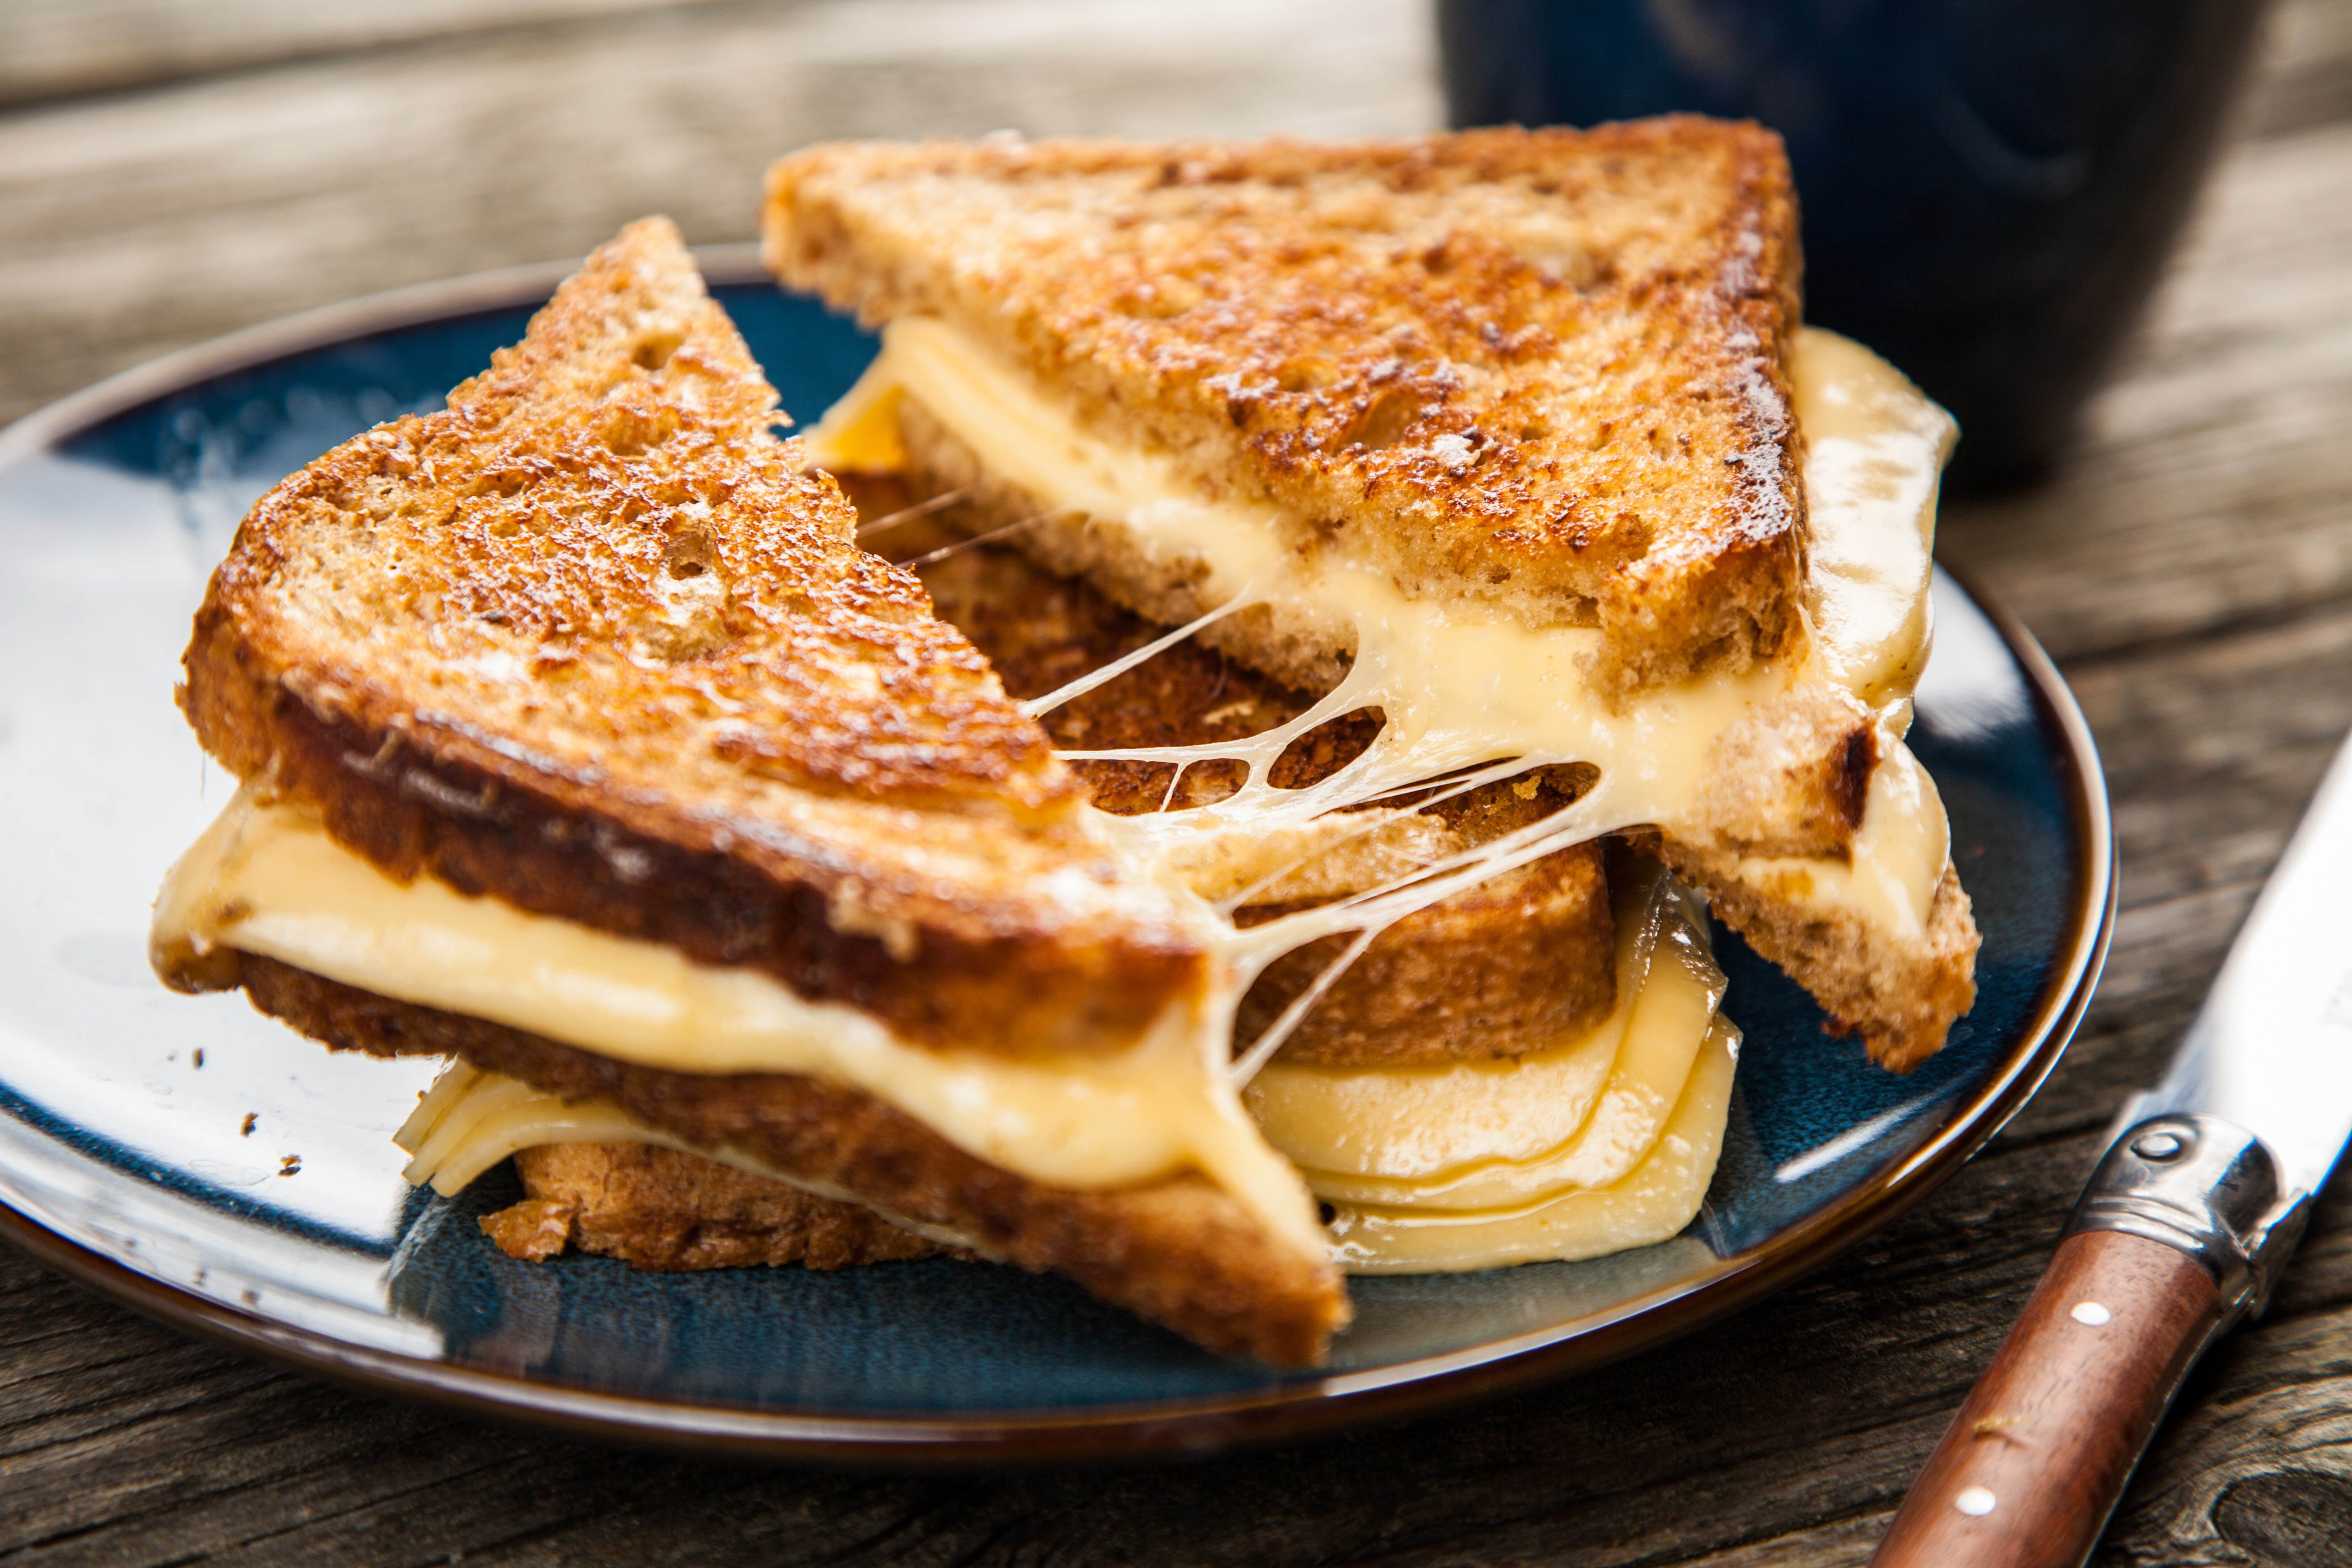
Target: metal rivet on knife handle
2050, 1432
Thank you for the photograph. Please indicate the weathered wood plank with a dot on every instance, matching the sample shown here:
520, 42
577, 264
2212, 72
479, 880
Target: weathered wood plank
2258, 1465
2307, 68
2212, 748
2194, 567
1833, 1545
58, 48
131, 226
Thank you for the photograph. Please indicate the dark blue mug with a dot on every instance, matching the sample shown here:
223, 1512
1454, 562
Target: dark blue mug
1989, 189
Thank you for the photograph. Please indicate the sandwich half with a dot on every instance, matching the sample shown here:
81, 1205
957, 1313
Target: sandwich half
579, 741
1497, 435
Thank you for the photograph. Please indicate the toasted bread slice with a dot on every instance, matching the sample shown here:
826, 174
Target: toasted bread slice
660, 1209
1543, 376
1544, 372
1790, 780
592, 643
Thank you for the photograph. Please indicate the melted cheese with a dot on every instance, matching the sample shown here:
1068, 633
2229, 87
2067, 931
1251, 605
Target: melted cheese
1462, 689
1501, 1134
1462, 685
1898, 854
1874, 451
471, 1120
1469, 1165
1661, 1196
266, 880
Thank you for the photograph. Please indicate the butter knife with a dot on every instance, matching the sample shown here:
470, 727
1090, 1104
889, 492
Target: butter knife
2184, 1228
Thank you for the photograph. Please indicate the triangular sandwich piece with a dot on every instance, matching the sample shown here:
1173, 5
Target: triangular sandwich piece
580, 739
1494, 432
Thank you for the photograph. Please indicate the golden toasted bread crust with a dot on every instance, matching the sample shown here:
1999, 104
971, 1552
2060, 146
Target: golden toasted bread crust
674, 1212
1901, 996
1792, 778
590, 641
1543, 370
1516, 965
1179, 1252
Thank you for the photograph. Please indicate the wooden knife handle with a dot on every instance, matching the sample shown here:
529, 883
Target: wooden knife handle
2037, 1457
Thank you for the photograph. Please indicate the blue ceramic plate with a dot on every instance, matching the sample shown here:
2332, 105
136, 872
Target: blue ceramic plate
209, 1166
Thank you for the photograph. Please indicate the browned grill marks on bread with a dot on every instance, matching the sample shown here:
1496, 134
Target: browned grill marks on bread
1544, 370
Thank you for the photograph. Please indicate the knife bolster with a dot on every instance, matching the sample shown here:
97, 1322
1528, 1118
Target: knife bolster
2205, 1187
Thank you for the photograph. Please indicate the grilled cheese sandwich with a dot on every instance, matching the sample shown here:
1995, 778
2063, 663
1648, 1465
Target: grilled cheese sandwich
1167, 368
1489, 1151
1014, 1029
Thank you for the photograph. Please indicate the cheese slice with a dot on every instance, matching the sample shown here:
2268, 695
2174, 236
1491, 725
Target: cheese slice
266, 880
1500, 1134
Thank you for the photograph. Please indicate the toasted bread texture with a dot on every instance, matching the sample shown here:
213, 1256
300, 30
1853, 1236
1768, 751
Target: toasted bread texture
1792, 779
1901, 994
672, 1212
1180, 1251
1544, 370
589, 640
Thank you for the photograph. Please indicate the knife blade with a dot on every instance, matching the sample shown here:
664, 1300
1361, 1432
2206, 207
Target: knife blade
2185, 1227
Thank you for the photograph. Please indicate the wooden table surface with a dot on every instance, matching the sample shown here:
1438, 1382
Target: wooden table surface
169, 172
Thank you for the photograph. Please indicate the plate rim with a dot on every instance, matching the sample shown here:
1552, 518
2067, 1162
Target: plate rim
1107, 1433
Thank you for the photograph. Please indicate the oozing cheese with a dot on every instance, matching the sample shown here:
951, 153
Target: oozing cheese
267, 880
1605, 1142
1462, 686
1874, 452
1606, 1165
1899, 851
1624, 1119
